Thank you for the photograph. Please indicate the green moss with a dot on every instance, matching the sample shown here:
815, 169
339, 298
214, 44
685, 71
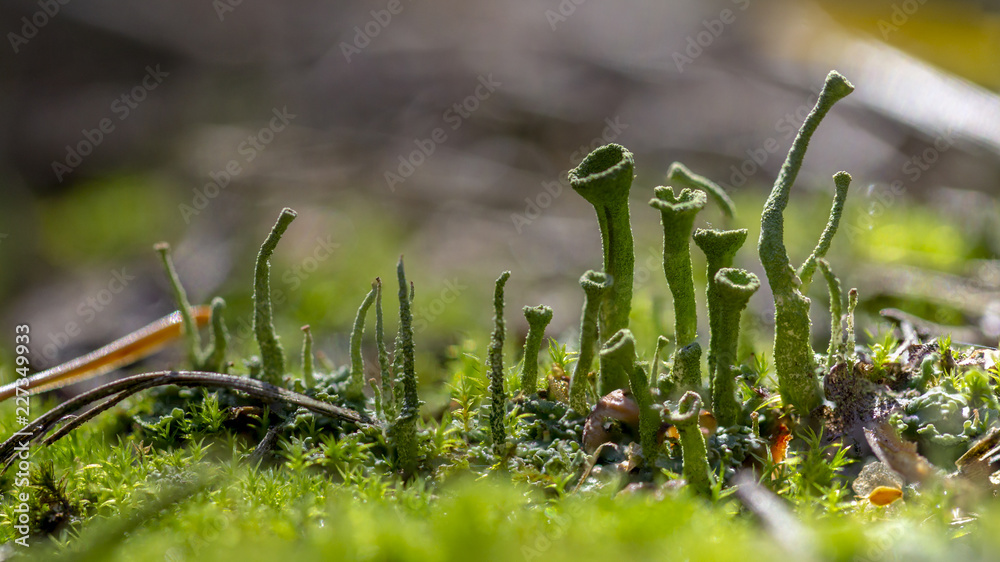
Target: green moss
604, 179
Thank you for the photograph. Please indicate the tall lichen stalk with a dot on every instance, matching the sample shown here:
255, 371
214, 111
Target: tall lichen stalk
619, 354
719, 247
355, 389
604, 179
405, 427
538, 318
677, 214
271, 353
794, 359
498, 406
734, 287
595, 285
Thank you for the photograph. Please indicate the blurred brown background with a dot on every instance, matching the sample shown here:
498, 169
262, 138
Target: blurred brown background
433, 129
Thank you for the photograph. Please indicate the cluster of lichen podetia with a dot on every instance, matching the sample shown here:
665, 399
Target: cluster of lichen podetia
604, 179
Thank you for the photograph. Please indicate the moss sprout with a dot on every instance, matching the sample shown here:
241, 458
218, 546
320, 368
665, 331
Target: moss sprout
678, 174
734, 287
498, 406
191, 335
677, 215
405, 427
835, 353
595, 286
719, 247
538, 318
695, 456
604, 179
619, 355
355, 390
272, 355
308, 379
794, 359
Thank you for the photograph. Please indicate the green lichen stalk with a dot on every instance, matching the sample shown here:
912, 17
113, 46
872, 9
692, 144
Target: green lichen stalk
734, 287
595, 286
498, 406
695, 456
308, 378
793, 354
719, 247
604, 179
619, 355
841, 181
852, 304
355, 390
272, 355
677, 214
835, 353
654, 366
685, 374
405, 428
678, 174
386, 395
538, 318
214, 359
191, 335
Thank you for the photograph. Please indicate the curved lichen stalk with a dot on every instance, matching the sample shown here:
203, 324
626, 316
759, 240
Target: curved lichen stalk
595, 286
271, 354
678, 174
835, 353
498, 406
355, 389
734, 287
619, 354
695, 456
191, 335
388, 401
405, 427
677, 214
719, 247
794, 360
538, 318
604, 179
214, 359
842, 181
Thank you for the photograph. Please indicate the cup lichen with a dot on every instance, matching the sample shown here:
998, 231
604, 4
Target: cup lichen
604, 179
538, 318
595, 286
734, 287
